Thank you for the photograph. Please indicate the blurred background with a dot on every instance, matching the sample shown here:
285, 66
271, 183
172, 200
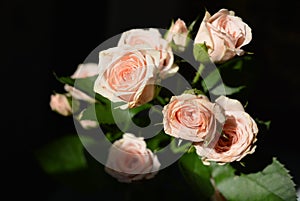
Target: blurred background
42, 37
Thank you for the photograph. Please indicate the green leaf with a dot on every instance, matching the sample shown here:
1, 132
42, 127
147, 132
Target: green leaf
191, 31
65, 80
265, 123
223, 89
66, 161
191, 26
221, 172
214, 79
158, 142
235, 63
111, 113
108, 114
113, 136
85, 85
196, 174
211, 80
200, 53
272, 184
136, 110
178, 146
63, 155
98, 112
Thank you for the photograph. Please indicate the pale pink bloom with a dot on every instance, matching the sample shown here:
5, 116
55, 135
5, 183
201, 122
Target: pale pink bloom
83, 71
129, 159
178, 33
152, 39
191, 117
224, 34
60, 104
86, 123
127, 74
237, 137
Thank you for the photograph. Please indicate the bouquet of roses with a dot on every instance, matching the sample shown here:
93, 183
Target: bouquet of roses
149, 98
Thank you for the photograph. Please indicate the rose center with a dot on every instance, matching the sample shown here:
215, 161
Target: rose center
189, 117
228, 136
126, 72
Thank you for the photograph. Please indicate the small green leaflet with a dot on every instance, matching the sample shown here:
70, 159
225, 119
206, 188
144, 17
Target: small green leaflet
178, 146
223, 89
200, 53
265, 123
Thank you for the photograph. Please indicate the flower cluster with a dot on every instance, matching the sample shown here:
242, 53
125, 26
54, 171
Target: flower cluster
130, 72
146, 104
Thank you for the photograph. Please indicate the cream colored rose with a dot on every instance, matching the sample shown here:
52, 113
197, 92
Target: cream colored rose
152, 39
82, 71
191, 117
178, 33
127, 74
130, 160
224, 34
60, 104
237, 137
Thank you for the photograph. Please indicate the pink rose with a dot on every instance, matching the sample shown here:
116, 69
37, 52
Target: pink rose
130, 160
127, 74
152, 39
60, 104
191, 117
237, 138
178, 33
82, 71
224, 34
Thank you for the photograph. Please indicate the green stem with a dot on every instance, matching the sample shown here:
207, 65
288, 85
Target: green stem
198, 74
160, 100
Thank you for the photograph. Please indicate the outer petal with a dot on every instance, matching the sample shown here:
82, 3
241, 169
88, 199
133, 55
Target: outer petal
203, 34
86, 70
229, 104
77, 94
221, 12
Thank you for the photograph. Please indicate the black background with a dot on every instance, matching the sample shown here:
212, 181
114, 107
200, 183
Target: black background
40, 37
